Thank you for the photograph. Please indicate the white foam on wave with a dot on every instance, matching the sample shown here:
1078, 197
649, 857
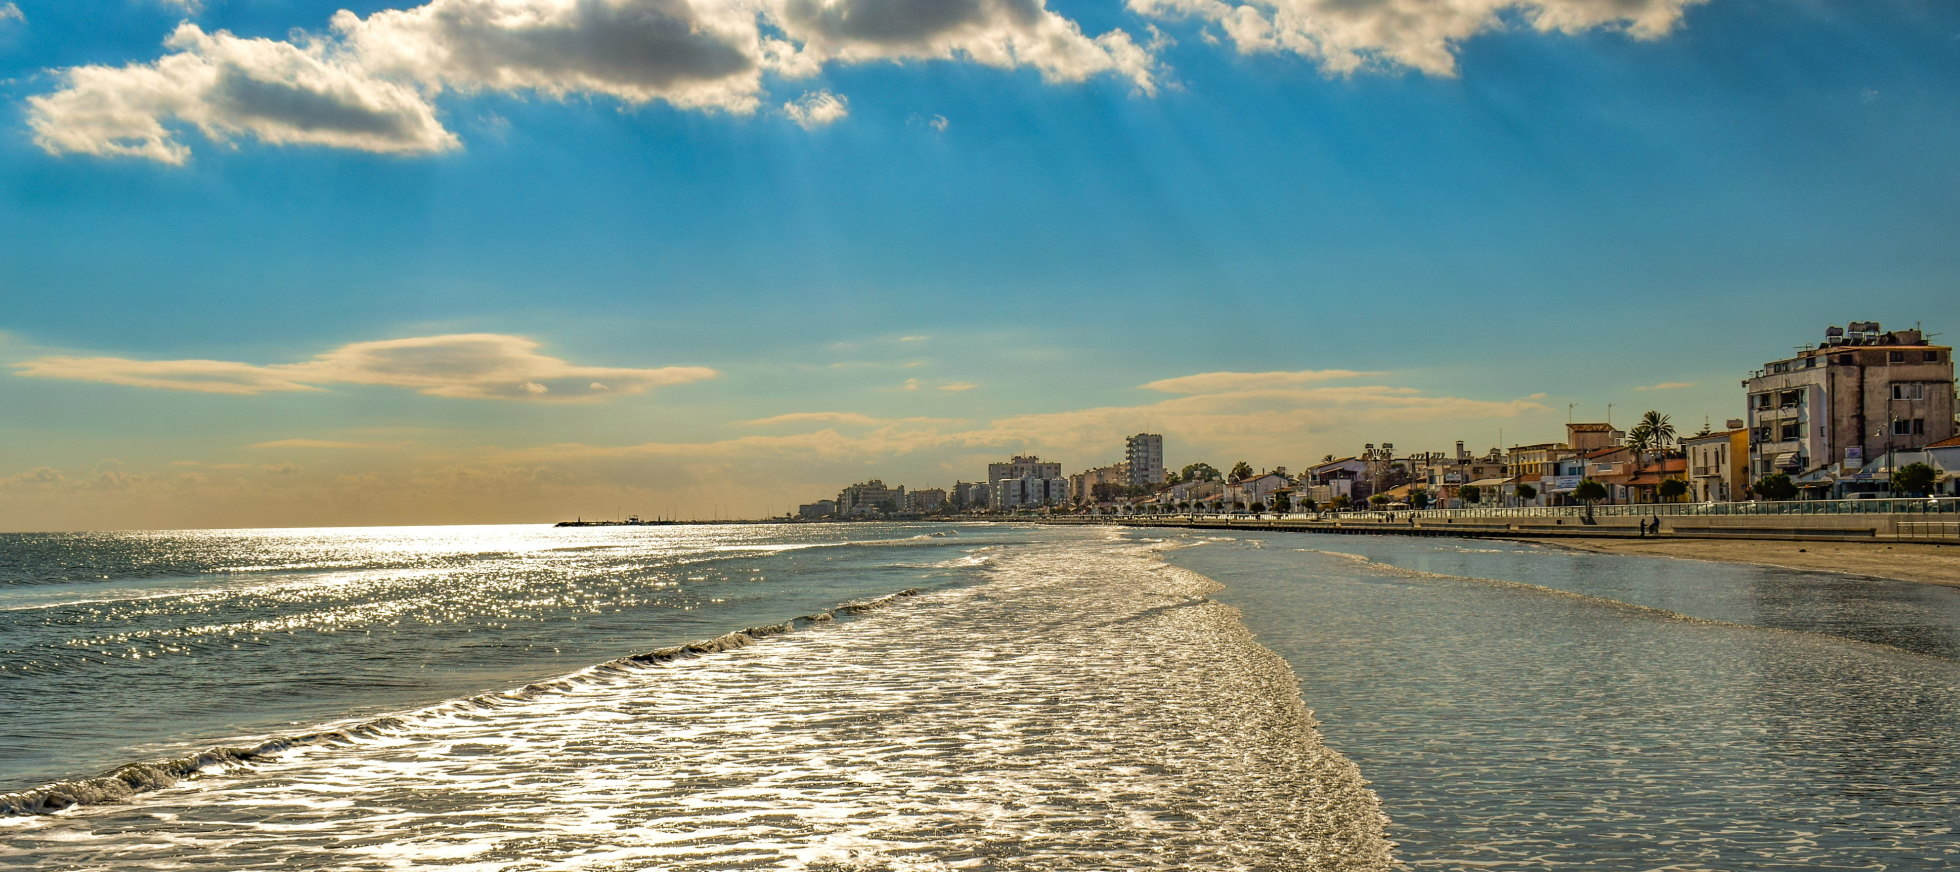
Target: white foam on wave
1088, 707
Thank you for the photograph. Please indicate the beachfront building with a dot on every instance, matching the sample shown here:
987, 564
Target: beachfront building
1144, 455
868, 499
1257, 490
818, 509
968, 495
1444, 477
1029, 491
1346, 477
1860, 393
1718, 465
1592, 437
1020, 467
1082, 485
925, 500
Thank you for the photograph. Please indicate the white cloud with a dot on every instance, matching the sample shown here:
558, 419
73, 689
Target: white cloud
369, 83
816, 109
9, 11
1666, 386
474, 365
1344, 36
315, 443
277, 92
996, 33
958, 386
1215, 382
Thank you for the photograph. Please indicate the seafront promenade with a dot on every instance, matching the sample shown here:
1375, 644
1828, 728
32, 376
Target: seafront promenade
1929, 521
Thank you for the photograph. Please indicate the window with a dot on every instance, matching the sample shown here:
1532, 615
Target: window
1908, 426
1810, 363
1919, 426
1846, 360
1909, 392
1790, 399
1932, 357
1791, 431
1896, 357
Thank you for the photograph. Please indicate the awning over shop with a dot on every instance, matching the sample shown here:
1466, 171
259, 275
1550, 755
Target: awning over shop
1787, 460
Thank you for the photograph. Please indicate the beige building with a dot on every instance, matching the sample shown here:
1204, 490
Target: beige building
1718, 465
1082, 485
1859, 394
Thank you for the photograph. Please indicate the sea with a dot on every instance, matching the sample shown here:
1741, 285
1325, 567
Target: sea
939, 696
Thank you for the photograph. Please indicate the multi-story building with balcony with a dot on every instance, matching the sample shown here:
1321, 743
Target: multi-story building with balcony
1144, 454
1718, 464
1859, 394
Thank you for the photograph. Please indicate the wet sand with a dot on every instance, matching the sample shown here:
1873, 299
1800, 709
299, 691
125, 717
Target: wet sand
1906, 561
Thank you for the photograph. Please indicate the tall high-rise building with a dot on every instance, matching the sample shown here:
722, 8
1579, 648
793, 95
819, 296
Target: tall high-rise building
1144, 453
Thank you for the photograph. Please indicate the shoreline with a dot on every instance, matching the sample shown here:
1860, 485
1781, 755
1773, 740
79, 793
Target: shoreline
1898, 561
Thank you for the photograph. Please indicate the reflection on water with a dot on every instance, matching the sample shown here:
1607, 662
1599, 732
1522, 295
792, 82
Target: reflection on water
1511, 727
123, 646
1084, 708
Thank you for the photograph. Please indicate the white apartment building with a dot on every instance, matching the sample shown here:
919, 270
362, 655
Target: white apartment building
1028, 492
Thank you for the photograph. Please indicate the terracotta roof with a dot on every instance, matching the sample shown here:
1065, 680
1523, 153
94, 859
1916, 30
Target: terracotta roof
1946, 443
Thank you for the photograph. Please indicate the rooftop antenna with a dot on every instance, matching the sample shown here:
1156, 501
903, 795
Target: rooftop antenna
1609, 414
1568, 412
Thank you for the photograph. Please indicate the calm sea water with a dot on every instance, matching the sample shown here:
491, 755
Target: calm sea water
1519, 707
483, 698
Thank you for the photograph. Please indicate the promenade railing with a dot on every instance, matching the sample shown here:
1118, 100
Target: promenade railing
1936, 506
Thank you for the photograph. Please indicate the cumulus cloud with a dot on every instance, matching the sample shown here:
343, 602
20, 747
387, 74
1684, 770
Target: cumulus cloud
277, 92
817, 109
474, 365
369, 83
1344, 36
996, 33
1215, 382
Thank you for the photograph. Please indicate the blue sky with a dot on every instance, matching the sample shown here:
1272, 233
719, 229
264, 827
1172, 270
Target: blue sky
979, 256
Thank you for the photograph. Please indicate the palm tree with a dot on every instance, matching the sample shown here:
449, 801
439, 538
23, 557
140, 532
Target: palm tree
1659, 427
1241, 471
1654, 434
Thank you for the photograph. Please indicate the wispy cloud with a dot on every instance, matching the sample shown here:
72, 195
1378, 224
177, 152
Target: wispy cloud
319, 443
958, 386
817, 109
1666, 386
11, 12
1217, 382
474, 365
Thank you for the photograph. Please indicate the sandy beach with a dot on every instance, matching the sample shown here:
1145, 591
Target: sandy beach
1933, 564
